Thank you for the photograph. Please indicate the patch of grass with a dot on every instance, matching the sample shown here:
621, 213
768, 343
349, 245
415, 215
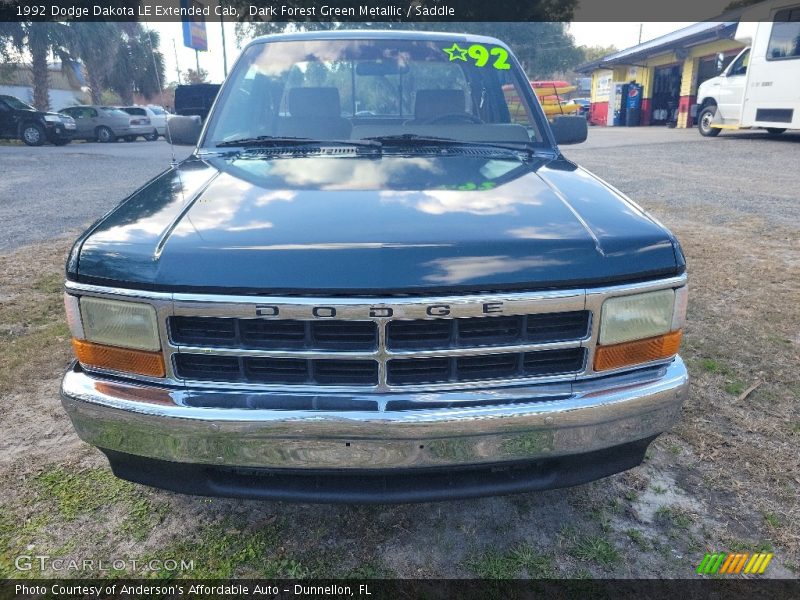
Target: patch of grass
581, 573
50, 284
673, 516
220, 552
772, 519
710, 365
734, 545
74, 494
22, 354
657, 489
734, 387
597, 549
631, 495
637, 537
288, 568
674, 449
16, 537
370, 570
336, 563
83, 492
795, 428
512, 564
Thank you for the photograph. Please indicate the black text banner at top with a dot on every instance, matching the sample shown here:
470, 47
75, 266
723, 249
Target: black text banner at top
393, 13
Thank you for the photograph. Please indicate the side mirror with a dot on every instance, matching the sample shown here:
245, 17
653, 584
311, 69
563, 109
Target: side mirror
720, 63
569, 129
183, 131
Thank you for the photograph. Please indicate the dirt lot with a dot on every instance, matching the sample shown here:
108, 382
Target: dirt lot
725, 479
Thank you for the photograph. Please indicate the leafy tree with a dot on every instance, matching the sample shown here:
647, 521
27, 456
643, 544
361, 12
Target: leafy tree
138, 64
39, 39
97, 45
591, 53
193, 76
111, 98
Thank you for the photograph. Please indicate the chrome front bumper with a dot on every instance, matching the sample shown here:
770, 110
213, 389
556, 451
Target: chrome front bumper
483, 427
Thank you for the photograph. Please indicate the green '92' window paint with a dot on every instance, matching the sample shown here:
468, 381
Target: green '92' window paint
480, 54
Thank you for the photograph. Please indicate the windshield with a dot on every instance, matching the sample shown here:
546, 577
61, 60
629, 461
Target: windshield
348, 89
17, 104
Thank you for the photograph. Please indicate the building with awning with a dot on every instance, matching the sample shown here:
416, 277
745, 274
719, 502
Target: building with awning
668, 70
66, 83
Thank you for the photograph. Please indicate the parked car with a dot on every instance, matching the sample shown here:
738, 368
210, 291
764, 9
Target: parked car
426, 302
106, 123
154, 116
585, 104
21, 121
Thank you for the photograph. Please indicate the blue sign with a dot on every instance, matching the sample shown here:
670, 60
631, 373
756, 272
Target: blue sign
194, 26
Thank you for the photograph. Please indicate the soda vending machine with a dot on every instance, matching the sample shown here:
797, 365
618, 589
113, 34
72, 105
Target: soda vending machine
633, 105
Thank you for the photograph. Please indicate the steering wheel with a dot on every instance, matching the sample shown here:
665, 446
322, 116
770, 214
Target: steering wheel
453, 118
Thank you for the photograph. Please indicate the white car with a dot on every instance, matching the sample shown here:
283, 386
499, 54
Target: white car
156, 115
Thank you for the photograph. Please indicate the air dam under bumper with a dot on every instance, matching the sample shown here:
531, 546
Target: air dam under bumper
532, 437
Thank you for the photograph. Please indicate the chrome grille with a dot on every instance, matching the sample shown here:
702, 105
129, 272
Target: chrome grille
276, 370
390, 344
331, 347
487, 331
274, 334
486, 366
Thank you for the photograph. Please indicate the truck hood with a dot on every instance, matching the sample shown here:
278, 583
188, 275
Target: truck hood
468, 220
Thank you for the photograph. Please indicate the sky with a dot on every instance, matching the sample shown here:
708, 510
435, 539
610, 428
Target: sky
621, 35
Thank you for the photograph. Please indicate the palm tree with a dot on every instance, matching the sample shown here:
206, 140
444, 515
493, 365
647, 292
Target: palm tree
40, 39
97, 45
138, 66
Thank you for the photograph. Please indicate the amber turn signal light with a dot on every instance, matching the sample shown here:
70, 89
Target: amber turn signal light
637, 351
119, 359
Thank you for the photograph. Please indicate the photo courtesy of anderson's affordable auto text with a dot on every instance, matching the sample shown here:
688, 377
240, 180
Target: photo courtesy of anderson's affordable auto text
308, 299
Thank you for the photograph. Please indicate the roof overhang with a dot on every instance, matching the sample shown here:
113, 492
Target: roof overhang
694, 35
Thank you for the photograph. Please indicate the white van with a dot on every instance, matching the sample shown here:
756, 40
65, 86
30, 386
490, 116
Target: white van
761, 87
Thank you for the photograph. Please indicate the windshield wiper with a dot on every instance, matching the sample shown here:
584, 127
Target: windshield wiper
413, 139
273, 141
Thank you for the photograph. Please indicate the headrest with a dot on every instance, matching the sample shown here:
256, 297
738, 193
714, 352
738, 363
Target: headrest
314, 102
435, 103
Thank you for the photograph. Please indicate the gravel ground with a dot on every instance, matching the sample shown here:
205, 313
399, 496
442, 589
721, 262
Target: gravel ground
51, 191
738, 174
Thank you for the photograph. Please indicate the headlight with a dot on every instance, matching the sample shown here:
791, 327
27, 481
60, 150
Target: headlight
119, 323
636, 317
115, 334
52, 118
640, 328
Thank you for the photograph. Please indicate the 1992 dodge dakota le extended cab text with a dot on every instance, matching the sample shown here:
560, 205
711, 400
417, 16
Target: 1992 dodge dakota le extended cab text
376, 279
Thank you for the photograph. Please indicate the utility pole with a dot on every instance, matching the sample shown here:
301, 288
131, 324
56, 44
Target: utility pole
224, 49
640, 32
197, 58
177, 66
